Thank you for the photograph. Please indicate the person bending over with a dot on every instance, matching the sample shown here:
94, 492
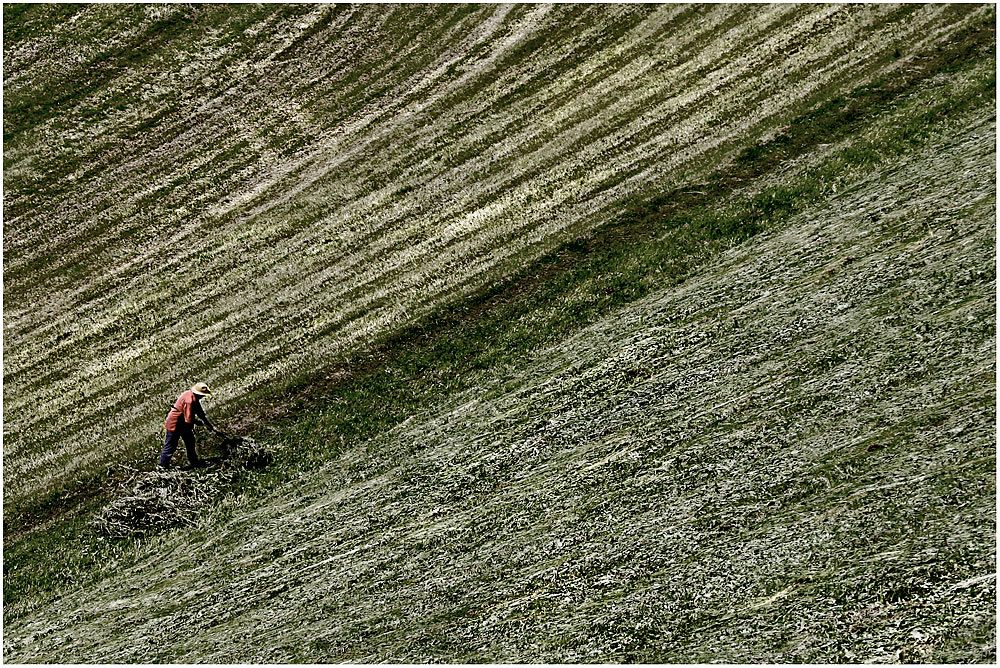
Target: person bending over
183, 416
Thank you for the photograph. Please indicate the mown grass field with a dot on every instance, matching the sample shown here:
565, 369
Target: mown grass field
645, 333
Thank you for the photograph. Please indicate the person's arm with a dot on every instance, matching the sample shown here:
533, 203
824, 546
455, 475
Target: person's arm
200, 412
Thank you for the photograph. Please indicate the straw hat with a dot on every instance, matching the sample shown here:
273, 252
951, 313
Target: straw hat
201, 389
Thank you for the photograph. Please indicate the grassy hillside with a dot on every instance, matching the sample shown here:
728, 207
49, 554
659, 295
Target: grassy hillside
242, 194
579, 333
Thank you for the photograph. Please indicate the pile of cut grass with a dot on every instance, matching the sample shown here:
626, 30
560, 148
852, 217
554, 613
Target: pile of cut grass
243, 452
150, 501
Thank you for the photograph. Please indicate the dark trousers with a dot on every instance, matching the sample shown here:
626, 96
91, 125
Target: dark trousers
170, 444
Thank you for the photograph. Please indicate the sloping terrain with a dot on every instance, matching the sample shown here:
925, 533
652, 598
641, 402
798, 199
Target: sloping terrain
577, 333
789, 457
240, 194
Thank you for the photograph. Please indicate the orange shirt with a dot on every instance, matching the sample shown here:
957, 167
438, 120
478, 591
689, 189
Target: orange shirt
186, 405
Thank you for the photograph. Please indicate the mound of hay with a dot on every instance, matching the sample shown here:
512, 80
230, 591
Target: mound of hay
244, 453
150, 501
154, 500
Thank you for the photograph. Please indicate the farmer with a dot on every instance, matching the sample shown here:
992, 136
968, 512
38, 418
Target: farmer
180, 422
